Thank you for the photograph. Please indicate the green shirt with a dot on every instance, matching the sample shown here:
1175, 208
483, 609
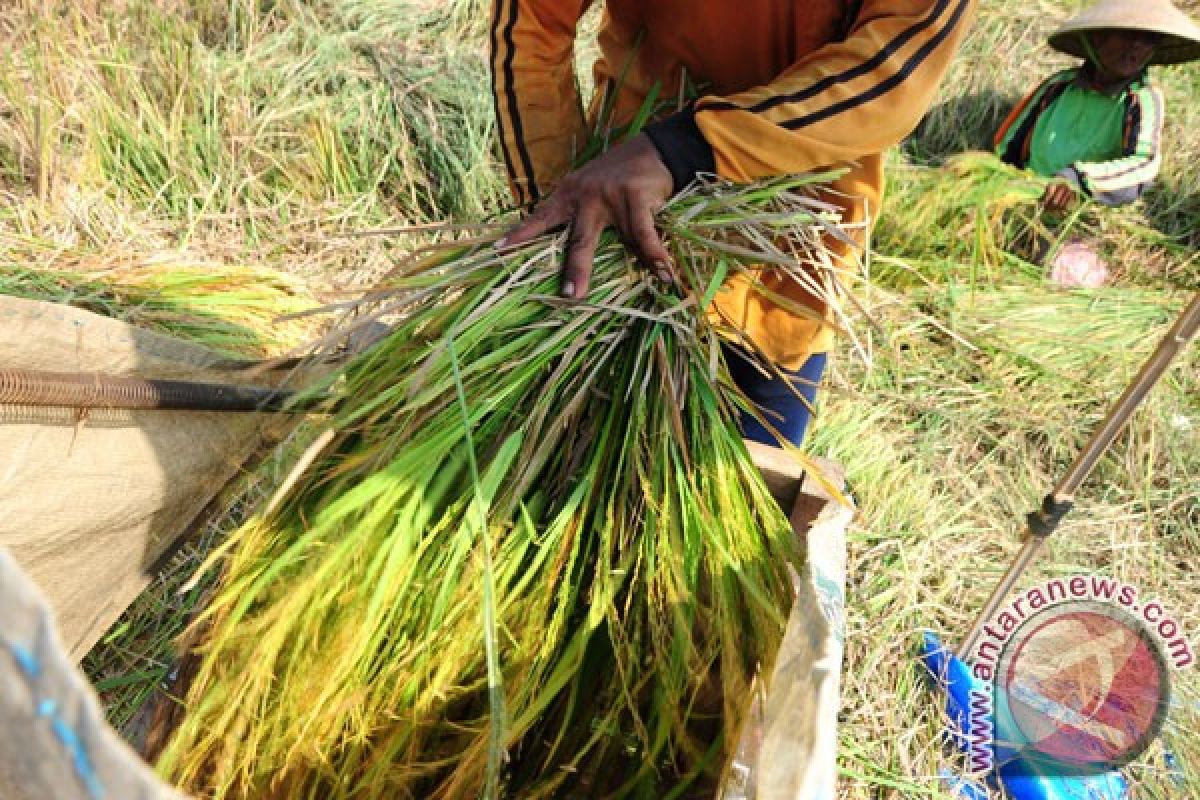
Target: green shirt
1081, 125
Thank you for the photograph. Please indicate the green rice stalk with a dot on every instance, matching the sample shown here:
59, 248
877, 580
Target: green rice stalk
494, 678
637, 567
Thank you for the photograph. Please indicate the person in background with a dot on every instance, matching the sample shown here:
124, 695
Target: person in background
1097, 128
791, 87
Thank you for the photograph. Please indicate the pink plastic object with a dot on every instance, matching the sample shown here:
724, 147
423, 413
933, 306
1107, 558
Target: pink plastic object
1077, 265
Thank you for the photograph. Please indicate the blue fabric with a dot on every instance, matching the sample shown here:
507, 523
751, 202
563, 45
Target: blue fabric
776, 396
48, 708
1021, 779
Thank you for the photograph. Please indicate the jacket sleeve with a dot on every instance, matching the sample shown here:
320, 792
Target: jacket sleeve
846, 100
538, 110
1122, 180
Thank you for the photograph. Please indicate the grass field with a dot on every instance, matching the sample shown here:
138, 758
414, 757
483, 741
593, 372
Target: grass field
273, 133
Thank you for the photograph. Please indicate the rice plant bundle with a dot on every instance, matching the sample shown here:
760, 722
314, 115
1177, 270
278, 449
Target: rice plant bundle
975, 212
535, 560
978, 220
236, 310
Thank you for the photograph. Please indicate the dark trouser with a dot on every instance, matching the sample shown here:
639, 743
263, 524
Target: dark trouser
778, 398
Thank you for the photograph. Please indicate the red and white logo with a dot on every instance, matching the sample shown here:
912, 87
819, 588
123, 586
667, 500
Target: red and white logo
1083, 685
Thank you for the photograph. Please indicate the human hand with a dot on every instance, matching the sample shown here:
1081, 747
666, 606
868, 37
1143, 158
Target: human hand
1059, 196
622, 188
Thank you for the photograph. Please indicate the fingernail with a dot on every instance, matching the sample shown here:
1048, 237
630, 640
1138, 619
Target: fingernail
664, 274
500, 243
568, 289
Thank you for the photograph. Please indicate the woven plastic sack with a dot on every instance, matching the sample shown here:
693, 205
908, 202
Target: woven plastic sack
91, 503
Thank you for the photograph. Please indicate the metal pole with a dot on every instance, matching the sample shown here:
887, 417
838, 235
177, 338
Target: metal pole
1041, 524
99, 391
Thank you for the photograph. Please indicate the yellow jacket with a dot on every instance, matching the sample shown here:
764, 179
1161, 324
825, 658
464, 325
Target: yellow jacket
791, 86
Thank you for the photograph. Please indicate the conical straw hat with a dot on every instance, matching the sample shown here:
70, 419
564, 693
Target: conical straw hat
1181, 36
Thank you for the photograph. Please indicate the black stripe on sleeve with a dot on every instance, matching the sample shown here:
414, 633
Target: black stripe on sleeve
1141, 164
868, 66
1133, 127
513, 109
508, 161
883, 87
